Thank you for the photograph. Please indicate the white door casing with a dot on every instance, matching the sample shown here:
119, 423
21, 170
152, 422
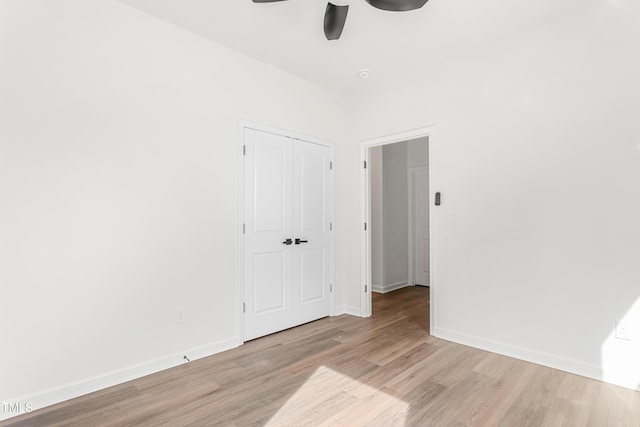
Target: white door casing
286, 196
365, 203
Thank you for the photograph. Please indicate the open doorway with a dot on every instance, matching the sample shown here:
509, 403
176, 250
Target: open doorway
399, 221
397, 237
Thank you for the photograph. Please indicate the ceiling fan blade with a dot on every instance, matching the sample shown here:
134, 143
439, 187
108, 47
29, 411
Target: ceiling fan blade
397, 5
334, 19
265, 1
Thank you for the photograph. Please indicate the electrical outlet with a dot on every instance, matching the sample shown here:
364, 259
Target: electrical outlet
623, 330
181, 314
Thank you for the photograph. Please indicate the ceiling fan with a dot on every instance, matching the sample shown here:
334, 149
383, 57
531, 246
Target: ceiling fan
336, 15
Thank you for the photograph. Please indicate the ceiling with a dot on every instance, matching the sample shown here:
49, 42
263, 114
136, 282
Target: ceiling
392, 45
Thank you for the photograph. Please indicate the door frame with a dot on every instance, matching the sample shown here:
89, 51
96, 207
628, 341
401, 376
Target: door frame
411, 221
365, 215
242, 125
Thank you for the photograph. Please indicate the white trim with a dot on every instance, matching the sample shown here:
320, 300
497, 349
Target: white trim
332, 233
365, 215
351, 310
383, 289
282, 132
398, 137
410, 226
529, 355
365, 243
433, 289
240, 287
88, 385
245, 124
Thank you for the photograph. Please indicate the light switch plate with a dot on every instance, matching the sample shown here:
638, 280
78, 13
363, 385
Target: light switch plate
181, 314
623, 330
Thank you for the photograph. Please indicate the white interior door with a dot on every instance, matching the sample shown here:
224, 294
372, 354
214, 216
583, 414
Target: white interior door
311, 232
286, 241
420, 194
268, 223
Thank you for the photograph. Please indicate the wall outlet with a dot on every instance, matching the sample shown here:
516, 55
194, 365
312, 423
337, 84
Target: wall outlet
623, 330
181, 314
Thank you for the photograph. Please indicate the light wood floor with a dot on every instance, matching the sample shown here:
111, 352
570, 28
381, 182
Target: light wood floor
348, 371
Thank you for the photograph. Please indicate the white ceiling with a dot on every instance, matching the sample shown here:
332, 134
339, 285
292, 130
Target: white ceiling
393, 45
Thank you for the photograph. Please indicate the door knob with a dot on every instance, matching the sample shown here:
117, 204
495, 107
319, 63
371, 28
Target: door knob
287, 242
298, 241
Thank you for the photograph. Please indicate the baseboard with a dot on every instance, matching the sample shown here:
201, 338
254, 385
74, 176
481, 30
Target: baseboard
541, 358
382, 289
75, 389
348, 309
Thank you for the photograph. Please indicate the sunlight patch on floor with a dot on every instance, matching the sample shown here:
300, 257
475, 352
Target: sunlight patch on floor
621, 357
331, 398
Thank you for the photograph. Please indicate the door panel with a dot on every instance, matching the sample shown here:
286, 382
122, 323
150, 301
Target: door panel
423, 268
270, 187
312, 176
312, 274
268, 222
269, 283
311, 223
286, 196
420, 184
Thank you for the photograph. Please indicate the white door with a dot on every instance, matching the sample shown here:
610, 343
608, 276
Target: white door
286, 236
420, 194
310, 231
268, 223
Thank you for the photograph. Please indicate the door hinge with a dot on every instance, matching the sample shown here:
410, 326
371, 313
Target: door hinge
244, 307
330, 165
365, 288
244, 228
365, 164
365, 226
330, 287
244, 150
330, 226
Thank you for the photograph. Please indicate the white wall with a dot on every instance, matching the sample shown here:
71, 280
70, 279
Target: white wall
396, 232
417, 156
536, 149
418, 152
118, 190
118, 185
389, 216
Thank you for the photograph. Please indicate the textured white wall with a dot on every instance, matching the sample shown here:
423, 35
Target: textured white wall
536, 150
119, 188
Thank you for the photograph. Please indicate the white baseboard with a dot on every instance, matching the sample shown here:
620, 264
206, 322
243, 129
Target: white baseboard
382, 289
541, 358
75, 389
348, 309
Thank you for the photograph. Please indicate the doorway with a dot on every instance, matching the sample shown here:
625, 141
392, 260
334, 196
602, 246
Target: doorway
418, 265
287, 233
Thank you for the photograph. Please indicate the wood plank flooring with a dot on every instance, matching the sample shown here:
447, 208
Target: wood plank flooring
346, 371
